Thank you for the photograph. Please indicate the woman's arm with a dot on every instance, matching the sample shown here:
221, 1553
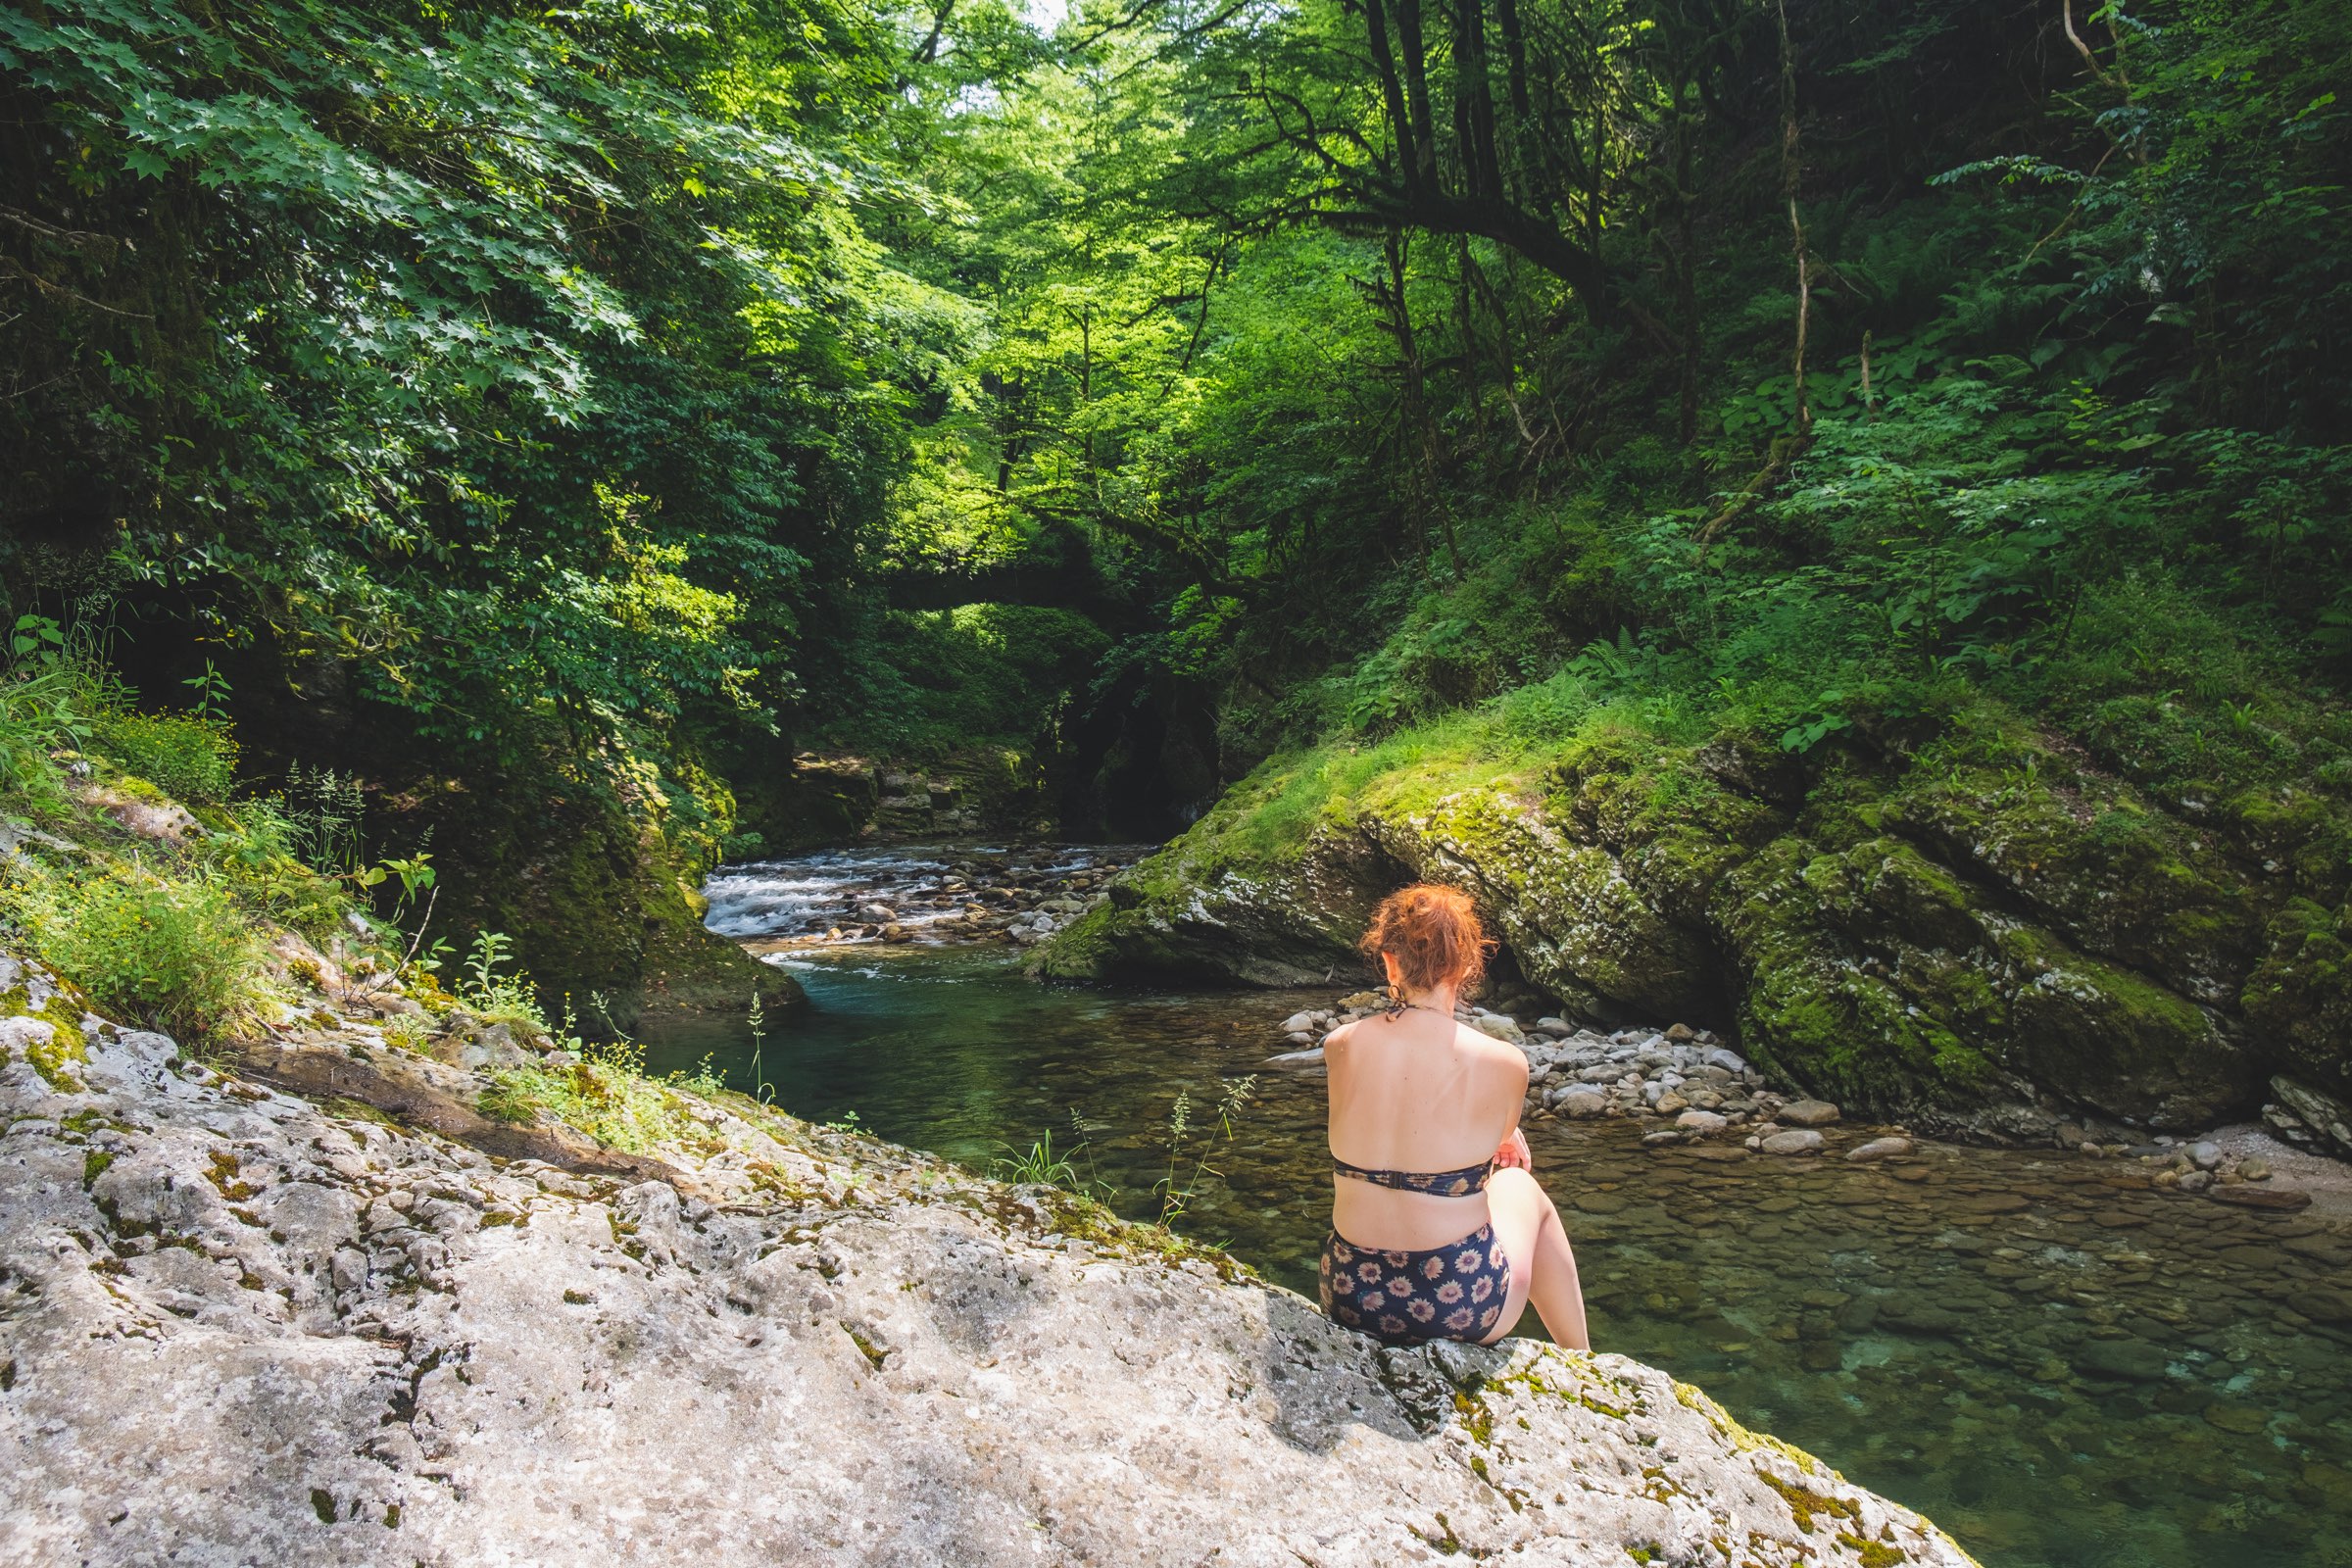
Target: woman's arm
1512, 1152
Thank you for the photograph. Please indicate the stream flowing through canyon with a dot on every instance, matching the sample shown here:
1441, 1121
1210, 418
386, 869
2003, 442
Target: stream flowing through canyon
2061, 1363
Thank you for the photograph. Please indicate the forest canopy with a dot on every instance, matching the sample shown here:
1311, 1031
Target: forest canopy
659, 388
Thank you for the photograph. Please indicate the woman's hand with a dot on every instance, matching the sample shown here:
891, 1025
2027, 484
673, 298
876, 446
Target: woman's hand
1513, 1155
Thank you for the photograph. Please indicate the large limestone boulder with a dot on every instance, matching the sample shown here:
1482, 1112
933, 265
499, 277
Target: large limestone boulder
237, 1327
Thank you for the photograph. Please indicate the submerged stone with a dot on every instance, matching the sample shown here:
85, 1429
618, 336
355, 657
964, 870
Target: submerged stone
2128, 1360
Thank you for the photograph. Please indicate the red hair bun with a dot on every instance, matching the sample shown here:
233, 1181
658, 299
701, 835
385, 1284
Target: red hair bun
1433, 933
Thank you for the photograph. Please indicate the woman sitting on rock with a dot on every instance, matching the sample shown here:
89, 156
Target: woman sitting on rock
1438, 1232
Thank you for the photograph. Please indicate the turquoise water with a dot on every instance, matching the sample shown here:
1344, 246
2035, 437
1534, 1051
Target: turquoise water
2059, 1364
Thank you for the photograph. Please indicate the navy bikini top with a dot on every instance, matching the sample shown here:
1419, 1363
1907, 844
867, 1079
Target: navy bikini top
1437, 1184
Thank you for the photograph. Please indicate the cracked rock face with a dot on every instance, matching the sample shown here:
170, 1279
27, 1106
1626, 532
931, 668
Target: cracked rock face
237, 1328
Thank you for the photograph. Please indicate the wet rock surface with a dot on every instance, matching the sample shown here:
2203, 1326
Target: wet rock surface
240, 1326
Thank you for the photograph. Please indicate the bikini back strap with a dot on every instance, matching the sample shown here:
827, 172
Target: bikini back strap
1437, 1184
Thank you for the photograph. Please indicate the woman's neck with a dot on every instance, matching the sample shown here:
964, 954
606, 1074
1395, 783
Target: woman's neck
1439, 999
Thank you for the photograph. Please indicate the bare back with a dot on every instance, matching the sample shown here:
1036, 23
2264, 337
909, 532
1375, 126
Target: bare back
1419, 1093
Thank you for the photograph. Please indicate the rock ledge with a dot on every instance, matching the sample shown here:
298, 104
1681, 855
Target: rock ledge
238, 1326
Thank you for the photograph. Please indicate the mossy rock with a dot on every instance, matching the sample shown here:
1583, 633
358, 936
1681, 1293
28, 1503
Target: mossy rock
1835, 1000
1571, 918
1999, 923
2087, 855
1273, 925
595, 900
2301, 995
2110, 1037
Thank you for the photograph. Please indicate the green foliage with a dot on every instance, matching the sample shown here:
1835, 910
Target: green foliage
43, 707
176, 953
606, 1094
525, 365
253, 849
940, 679
1039, 1165
500, 997
1190, 1146
190, 759
321, 814
598, 389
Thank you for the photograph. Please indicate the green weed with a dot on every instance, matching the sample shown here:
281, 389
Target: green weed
172, 952
190, 759
1180, 1186
1038, 1165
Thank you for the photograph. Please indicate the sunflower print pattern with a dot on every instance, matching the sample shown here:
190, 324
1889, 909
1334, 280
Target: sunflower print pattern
1454, 1291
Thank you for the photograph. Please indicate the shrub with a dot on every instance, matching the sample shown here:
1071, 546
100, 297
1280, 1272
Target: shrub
172, 954
188, 758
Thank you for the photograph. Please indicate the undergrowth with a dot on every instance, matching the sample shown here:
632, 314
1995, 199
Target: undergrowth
607, 1094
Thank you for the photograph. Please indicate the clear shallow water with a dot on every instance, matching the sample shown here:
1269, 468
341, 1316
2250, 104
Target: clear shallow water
2057, 1364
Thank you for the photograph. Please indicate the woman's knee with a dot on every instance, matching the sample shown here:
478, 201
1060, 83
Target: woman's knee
1511, 1189
1520, 1189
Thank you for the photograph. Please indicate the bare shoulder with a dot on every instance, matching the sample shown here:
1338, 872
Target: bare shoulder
1495, 1054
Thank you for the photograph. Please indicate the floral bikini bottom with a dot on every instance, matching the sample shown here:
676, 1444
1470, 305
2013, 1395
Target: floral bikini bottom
1454, 1291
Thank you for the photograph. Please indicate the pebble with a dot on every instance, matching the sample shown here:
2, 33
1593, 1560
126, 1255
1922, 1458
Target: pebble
2242, 1419
2124, 1360
1797, 1141
1701, 1123
1809, 1113
2323, 1304
1878, 1148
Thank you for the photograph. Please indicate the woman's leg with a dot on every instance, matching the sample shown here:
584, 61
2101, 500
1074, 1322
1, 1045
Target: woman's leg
1542, 1264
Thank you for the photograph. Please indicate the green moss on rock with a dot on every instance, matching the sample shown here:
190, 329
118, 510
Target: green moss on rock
2301, 993
1993, 918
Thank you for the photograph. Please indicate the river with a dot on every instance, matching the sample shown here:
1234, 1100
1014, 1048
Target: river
2062, 1365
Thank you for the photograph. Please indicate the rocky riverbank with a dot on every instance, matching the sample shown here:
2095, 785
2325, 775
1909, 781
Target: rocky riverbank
1685, 1086
363, 1323
1977, 946
936, 892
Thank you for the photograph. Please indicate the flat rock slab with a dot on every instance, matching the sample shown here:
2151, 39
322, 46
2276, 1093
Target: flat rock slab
2248, 1195
244, 1329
